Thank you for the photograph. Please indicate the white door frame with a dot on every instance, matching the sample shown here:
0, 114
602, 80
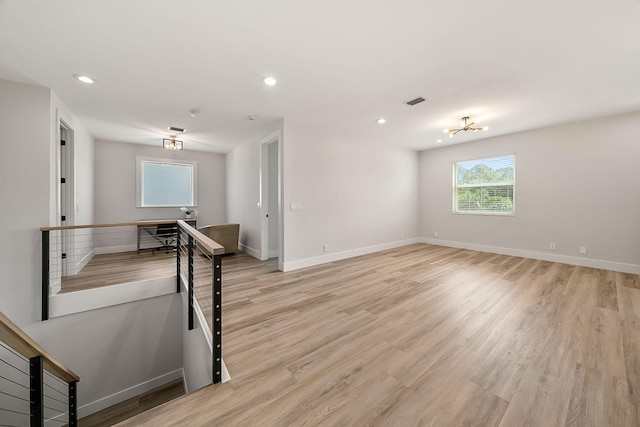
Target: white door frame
275, 137
66, 197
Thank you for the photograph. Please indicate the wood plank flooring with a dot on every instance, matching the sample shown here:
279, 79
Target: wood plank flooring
121, 267
136, 405
422, 335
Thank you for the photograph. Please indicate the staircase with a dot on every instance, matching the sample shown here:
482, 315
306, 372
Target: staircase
35, 386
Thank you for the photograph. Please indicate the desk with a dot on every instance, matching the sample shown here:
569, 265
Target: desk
150, 226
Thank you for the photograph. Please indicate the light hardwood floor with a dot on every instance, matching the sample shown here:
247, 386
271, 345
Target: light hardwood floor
136, 405
121, 267
422, 335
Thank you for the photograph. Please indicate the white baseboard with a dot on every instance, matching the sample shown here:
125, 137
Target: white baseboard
115, 249
128, 393
249, 250
564, 259
310, 262
55, 286
85, 260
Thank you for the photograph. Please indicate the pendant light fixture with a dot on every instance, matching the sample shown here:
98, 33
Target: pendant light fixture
172, 143
466, 126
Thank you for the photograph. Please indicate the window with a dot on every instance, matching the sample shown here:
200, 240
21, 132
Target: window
165, 183
485, 186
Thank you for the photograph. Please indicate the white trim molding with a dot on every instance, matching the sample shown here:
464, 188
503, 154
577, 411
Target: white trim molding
116, 249
128, 393
310, 262
85, 260
564, 259
249, 250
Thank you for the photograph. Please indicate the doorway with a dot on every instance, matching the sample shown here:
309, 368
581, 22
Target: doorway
270, 195
66, 200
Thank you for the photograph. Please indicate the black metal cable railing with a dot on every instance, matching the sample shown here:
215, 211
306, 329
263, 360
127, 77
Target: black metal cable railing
199, 265
34, 388
14, 388
67, 250
56, 401
31, 396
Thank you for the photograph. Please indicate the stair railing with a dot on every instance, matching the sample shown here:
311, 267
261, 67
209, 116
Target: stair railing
199, 266
34, 386
67, 249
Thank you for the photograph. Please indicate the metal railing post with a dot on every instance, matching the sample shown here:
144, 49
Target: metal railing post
217, 317
45, 275
36, 387
190, 264
73, 407
177, 258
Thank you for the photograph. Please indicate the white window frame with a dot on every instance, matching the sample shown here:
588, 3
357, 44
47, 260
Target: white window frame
455, 186
139, 180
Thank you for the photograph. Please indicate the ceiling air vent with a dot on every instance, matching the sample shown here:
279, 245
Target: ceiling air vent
415, 101
176, 129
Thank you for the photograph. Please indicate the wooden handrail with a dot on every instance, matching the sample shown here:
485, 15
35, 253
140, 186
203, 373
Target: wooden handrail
118, 224
19, 341
205, 242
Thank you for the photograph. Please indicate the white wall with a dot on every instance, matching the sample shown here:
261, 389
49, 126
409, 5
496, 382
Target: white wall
196, 353
356, 195
83, 147
118, 351
112, 349
116, 183
79, 186
576, 185
24, 191
243, 194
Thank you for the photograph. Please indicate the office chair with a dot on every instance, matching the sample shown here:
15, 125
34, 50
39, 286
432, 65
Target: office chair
166, 235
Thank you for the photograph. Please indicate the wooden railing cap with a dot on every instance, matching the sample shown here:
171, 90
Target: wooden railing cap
211, 246
23, 344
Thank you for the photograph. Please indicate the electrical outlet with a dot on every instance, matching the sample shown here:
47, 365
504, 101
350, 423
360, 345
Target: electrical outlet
325, 248
553, 246
583, 250
435, 234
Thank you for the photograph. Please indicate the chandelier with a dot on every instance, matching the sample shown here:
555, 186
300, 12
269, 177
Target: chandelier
466, 126
172, 143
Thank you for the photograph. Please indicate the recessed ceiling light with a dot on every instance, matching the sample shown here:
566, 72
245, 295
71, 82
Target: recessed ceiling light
438, 140
269, 81
83, 79
194, 112
381, 121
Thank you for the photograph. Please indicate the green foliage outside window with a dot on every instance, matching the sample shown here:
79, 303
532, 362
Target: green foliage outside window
485, 186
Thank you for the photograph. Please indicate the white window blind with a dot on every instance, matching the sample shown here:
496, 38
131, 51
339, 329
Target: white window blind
485, 186
165, 183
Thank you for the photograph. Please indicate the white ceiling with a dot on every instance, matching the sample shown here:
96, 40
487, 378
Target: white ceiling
513, 65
